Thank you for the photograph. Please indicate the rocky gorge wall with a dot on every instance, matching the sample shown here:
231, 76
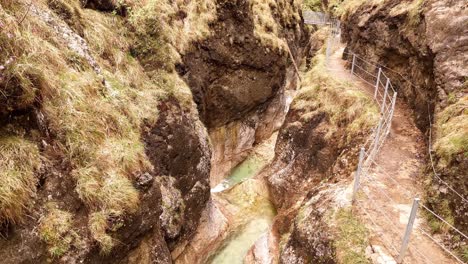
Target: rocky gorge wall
95, 143
240, 75
423, 44
314, 156
107, 114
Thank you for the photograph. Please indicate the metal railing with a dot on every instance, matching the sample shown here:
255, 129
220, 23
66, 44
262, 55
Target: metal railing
333, 39
367, 181
385, 96
318, 18
333, 24
315, 18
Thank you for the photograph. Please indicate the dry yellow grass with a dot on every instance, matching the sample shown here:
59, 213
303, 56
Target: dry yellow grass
161, 35
451, 132
56, 229
343, 103
269, 18
352, 238
98, 224
341, 8
19, 159
97, 131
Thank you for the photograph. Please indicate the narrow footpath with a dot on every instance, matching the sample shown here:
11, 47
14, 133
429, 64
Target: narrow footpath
388, 189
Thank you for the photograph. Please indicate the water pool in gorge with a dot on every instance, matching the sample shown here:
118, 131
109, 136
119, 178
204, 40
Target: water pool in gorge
250, 201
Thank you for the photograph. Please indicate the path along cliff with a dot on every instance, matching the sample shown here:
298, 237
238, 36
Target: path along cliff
390, 185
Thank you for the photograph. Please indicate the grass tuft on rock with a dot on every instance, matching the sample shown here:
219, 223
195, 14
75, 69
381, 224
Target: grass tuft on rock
342, 8
162, 33
269, 16
19, 159
351, 238
97, 133
56, 229
314, 5
414, 12
451, 132
443, 209
98, 226
347, 107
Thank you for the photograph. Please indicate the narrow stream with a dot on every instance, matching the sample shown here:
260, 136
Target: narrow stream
249, 198
247, 169
257, 223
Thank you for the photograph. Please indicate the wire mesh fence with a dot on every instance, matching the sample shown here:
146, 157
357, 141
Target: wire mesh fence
315, 18
385, 96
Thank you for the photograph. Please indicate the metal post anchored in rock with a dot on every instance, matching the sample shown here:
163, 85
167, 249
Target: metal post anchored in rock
392, 110
409, 228
384, 100
377, 83
377, 138
357, 176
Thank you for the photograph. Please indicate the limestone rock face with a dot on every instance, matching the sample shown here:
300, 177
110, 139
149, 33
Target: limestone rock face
239, 77
304, 158
423, 48
232, 142
177, 145
233, 73
131, 185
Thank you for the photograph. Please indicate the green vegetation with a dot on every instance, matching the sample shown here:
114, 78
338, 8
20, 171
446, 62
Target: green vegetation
412, 9
414, 12
451, 133
19, 159
161, 35
463, 252
314, 5
268, 16
69, 11
348, 109
96, 127
351, 238
56, 230
98, 225
443, 209
341, 8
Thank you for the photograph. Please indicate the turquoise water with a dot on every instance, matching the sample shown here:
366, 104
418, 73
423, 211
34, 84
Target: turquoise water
235, 251
255, 211
247, 169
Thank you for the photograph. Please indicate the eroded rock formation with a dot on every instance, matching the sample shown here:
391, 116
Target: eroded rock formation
239, 76
112, 113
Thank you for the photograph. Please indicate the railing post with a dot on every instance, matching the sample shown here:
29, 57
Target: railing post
409, 228
357, 175
392, 109
385, 96
354, 61
377, 83
377, 137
